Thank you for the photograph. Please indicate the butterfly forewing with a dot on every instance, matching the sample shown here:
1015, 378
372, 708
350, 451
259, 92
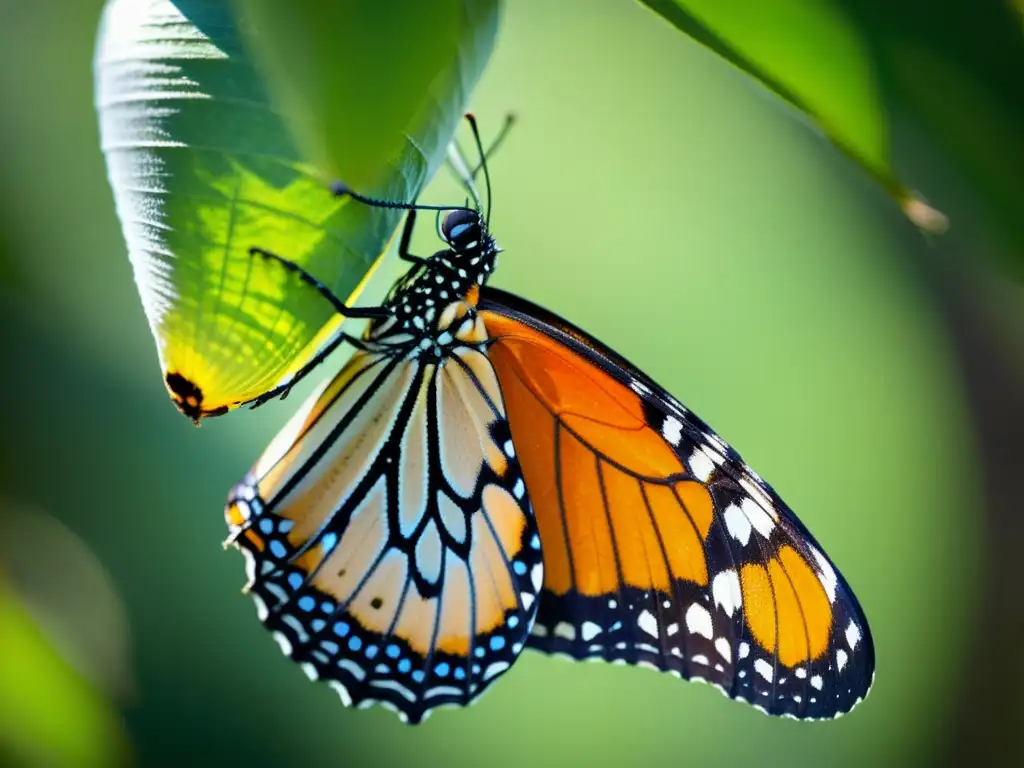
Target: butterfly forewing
661, 547
389, 539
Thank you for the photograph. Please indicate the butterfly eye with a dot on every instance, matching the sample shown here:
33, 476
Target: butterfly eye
461, 228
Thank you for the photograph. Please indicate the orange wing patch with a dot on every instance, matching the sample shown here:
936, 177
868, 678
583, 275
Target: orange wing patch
589, 403
788, 596
661, 548
578, 465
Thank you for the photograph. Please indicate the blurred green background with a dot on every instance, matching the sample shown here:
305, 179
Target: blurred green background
651, 195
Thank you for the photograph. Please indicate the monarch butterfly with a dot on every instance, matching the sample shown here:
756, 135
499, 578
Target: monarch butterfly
482, 477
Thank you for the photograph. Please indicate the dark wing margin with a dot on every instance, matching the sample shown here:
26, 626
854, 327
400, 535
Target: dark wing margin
662, 548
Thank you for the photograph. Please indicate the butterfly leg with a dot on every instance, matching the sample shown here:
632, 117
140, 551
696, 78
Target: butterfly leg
403, 245
282, 390
323, 290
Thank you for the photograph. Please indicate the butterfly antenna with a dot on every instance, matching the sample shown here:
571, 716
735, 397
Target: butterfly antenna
340, 189
510, 120
456, 162
483, 163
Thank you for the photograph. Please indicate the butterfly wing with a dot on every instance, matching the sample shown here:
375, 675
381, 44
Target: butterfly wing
387, 534
661, 547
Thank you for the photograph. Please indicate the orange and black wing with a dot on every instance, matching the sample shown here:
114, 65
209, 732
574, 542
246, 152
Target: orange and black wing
388, 538
661, 547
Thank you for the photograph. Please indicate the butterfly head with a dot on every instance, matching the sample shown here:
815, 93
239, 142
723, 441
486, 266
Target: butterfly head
472, 254
464, 230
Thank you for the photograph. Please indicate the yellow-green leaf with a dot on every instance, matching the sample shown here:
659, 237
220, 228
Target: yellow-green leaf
812, 55
204, 164
49, 713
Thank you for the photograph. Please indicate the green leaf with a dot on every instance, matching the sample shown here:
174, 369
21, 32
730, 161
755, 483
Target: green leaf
928, 103
204, 164
63, 647
327, 60
49, 715
810, 54
69, 594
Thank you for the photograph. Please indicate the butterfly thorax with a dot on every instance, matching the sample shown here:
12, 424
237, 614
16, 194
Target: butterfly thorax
425, 302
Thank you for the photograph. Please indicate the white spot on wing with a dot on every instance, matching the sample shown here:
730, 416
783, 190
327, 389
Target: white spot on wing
342, 691
841, 658
648, 623
589, 630
737, 523
261, 608
764, 669
826, 575
758, 495
286, 646
723, 647
566, 630
760, 520
495, 669
817, 682
698, 621
672, 430
725, 588
700, 465
537, 576
250, 566
852, 635
744, 650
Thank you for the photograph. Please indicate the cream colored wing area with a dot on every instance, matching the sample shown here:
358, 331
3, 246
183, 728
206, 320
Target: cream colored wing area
389, 540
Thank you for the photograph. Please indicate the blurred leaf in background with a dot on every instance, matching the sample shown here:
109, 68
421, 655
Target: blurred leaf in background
63, 648
368, 85
828, 76
858, 70
7, 274
69, 594
204, 165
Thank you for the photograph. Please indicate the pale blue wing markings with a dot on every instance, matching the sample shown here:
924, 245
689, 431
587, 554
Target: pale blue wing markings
429, 657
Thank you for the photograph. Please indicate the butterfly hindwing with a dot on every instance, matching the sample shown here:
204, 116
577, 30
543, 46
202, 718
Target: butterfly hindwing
661, 547
388, 536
